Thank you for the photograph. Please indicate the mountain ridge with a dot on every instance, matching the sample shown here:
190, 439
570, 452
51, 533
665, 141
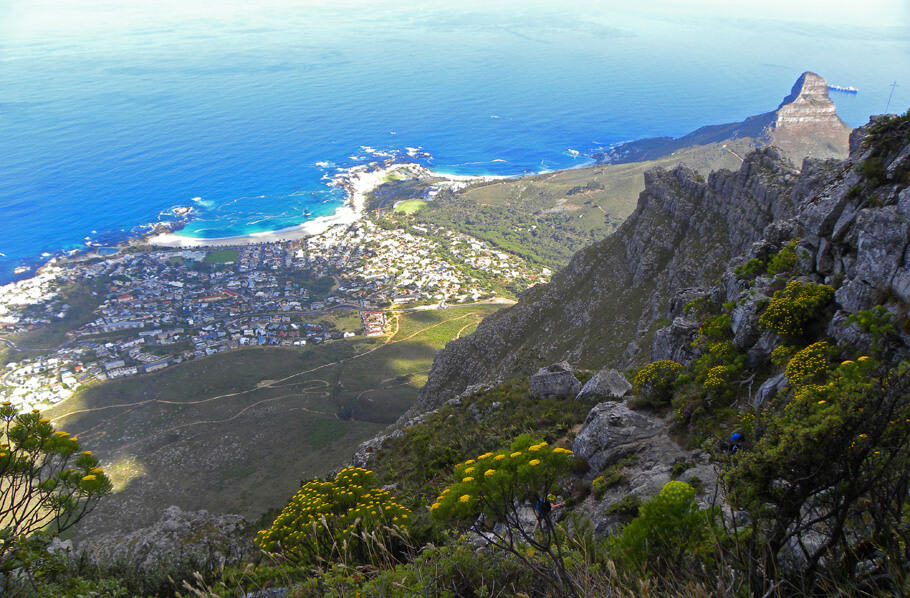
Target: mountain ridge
682, 234
805, 124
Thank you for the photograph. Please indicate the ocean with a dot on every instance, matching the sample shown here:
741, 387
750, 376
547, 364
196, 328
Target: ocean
114, 113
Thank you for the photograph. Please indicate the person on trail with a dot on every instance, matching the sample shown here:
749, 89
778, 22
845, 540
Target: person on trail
543, 507
735, 441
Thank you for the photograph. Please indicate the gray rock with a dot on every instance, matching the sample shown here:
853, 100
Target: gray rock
769, 389
179, 538
882, 238
744, 321
760, 352
855, 295
556, 380
607, 384
675, 341
612, 431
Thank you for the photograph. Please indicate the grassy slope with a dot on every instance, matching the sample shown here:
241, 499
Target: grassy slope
236, 432
537, 218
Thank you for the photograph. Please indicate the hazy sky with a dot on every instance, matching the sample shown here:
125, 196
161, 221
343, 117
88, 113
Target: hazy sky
31, 19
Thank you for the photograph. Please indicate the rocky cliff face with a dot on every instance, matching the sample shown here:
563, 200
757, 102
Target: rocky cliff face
805, 125
605, 307
854, 234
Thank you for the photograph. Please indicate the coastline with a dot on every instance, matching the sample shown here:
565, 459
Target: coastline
357, 181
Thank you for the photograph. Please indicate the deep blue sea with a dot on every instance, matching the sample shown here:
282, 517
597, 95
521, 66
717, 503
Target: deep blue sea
112, 113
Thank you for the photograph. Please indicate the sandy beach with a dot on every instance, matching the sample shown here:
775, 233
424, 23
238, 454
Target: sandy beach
358, 182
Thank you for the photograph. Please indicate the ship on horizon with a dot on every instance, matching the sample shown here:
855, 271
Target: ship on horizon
842, 89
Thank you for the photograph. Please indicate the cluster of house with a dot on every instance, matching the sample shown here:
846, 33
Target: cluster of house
160, 307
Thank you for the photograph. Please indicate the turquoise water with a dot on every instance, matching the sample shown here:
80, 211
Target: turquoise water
110, 119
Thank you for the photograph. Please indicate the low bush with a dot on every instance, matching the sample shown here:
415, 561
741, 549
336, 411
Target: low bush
794, 308
654, 382
347, 519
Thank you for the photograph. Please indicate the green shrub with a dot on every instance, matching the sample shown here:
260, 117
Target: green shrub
782, 354
699, 307
654, 382
784, 260
628, 505
809, 364
491, 482
346, 519
609, 479
878, 322
793, 309
669, 530
754, 267
839, 449
716, 328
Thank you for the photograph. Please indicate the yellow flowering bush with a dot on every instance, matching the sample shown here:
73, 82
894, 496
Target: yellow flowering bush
792, 309
46, 481
808, 364
654, 382
717, 378
839, 446
528, 469
335, 520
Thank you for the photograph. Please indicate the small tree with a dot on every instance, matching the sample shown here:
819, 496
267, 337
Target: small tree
46, 482
670, 533
827, 474
489, 499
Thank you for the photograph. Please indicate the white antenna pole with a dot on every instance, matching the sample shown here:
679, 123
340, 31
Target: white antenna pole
893, 85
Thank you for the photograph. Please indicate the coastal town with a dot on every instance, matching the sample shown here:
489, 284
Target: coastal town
147, 308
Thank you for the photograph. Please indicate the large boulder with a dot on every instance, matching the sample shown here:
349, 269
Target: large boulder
769, 389
607, 384
556, 380
612, 431
614, 437
180, 539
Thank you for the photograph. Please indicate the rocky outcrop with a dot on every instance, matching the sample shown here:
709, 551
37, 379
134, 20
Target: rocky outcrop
607, 384
854, 234
615, 436
805, 125
554, 381
179, 539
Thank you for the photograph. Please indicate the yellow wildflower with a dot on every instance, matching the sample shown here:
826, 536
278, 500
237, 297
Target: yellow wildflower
822, 402
470, 470
515, 454
562, 451
45, 420
489, 472
863, 358
499, 457
848, 362
470, 462
464, 498
534, 462
88, 478
467, 479
484, 456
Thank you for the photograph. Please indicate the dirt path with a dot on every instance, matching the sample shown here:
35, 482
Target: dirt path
273, 384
